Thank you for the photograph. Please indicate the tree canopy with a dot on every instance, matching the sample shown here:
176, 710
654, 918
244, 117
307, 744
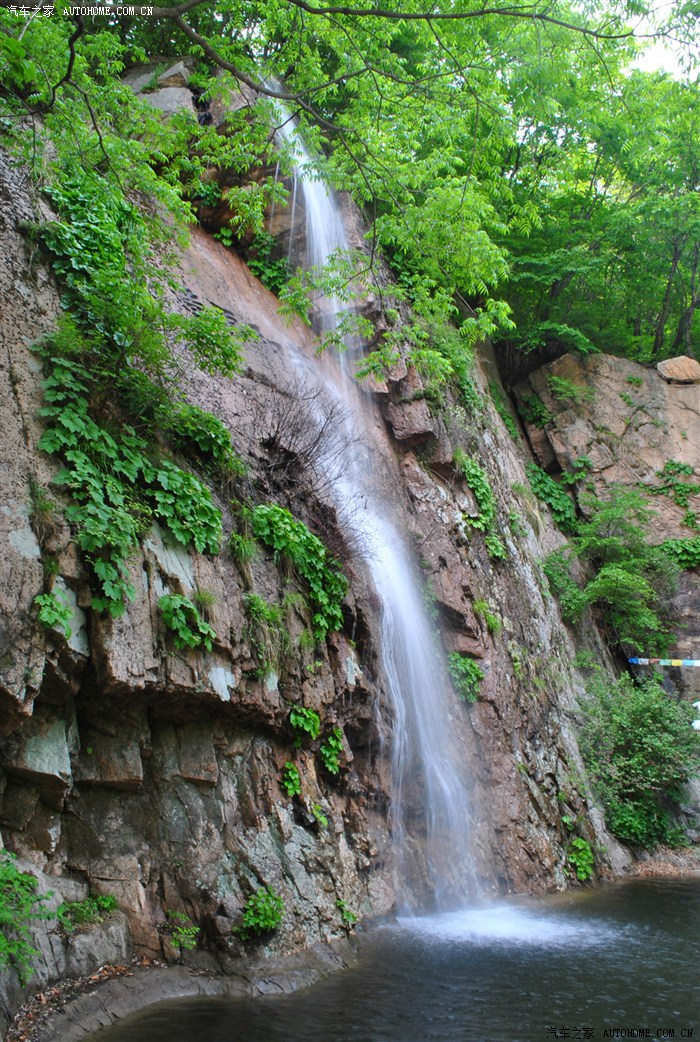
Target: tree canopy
522, 178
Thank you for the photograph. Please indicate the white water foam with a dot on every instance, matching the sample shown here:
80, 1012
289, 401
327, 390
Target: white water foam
512, 924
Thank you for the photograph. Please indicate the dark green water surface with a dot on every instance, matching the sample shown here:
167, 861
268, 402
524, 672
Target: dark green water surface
623, 958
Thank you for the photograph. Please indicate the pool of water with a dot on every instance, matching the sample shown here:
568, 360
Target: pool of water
622, 958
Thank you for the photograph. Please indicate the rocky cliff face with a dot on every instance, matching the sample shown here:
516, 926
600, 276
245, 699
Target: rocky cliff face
154, 774
630, 423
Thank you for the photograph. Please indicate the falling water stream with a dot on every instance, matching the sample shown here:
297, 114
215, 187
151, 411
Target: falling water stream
433, 863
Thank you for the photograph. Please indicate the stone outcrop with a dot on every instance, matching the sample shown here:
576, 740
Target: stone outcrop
681, 370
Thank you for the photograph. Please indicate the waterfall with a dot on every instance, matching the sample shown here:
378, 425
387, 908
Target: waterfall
429, 808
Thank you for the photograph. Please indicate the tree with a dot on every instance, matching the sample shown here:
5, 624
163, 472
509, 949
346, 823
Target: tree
627, 581
638, 744
459, 130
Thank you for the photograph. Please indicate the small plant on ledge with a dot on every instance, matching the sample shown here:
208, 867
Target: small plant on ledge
581, 858
304, 722
291, 780
466, 676
94, 909
262, 913
187, 625
54, 611
330, 751
181, 930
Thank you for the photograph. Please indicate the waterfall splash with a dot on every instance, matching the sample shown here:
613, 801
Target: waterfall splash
429, 812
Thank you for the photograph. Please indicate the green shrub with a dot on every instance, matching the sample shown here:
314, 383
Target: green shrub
581, 858
115, 486
349, 918
53, 611
466, 676
305, 723
187, 425
565, 390
477, 480
20, 907
262, 913
686, 552
183, 932
556, 498
266, 632
291, 540
631, 582
640, 749
94, 909
483, 610
495, 547
534, 411
330, 751
291, 780
672, 483
273, 273
187, 625
503, 410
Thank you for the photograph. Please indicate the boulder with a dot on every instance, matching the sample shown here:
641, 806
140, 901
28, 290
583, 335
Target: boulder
681, 370
171, 100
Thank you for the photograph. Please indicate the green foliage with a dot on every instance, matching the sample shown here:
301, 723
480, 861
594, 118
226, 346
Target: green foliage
349, 918
330, 751
291, 779
216, 346
581, 858
495, 547
640, 749
116, 486
635, 381
266, 631
551, 493
94, 909
291, 540
182, 930
189, 425
565, 390
466, 676
20, 907
477, 479
306, 723
534, 411
319, 817
242, 548
581, 467
272, 272
262, 913
673, 485
493, 622
188, 627
54, 611
686, 552
631, 581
